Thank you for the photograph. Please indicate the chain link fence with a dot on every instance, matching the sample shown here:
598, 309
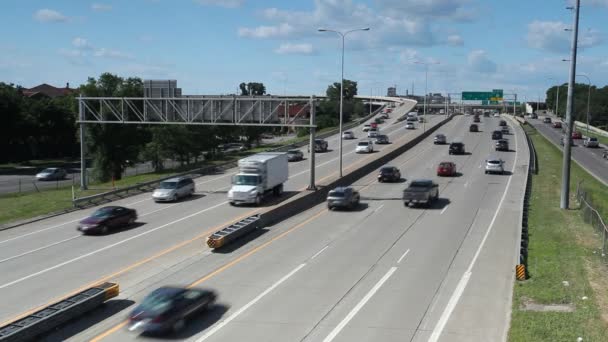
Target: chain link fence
592, 214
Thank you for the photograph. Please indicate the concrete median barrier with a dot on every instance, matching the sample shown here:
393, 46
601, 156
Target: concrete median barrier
28, 328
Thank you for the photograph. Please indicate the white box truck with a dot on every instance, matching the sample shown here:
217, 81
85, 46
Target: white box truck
259, 175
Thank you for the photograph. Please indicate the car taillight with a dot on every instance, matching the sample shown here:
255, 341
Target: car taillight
158, 319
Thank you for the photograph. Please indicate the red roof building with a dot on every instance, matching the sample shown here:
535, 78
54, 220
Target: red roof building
48, 91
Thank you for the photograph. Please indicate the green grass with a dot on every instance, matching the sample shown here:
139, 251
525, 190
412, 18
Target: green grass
561, 248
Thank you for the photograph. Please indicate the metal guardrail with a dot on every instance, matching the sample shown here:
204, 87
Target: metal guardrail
522, 267
233, 231
591, 215
41, 321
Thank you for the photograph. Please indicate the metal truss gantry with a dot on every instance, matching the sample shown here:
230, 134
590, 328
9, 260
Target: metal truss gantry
271, 111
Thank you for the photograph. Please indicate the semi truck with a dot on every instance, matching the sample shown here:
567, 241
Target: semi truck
259, 175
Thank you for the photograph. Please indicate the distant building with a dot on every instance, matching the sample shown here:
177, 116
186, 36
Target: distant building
46, 90
161, 88
391, 92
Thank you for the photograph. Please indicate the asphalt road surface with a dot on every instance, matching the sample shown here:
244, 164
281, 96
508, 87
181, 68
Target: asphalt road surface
380, 273
589, 158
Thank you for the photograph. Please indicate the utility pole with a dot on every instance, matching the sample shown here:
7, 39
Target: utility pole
565, 193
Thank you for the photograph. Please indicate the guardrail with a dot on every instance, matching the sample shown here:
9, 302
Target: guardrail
592, 215
233, 231
521, 269
29, 327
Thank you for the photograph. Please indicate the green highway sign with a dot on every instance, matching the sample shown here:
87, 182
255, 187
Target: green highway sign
494, 95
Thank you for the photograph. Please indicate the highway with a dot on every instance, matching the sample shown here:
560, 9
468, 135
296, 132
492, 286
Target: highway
49, 258
380, 273
589, 158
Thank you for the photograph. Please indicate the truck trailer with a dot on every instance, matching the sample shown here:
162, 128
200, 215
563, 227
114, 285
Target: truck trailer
259, 175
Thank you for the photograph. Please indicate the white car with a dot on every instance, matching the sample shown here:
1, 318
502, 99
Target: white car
591, 142
364, 147
366, 128
495, 165
410, 125
372, 133
496, 115
348, 135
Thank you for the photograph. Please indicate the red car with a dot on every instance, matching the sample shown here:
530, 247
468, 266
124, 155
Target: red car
446, 169
374, 125
557, 124
106, 218
577, 135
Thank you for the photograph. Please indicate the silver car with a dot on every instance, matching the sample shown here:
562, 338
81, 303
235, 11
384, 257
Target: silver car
495, 165
173, 189
51, 173
591, 142
440, 139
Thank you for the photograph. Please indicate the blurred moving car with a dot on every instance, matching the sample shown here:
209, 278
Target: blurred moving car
348, 135
456, 148
106, 218
533, 116
366, 127
504, 130
556, 124
421, 119
372, 133
495, 165
320, 146
496, 115
591, 142
502, 123
446, 169
577, 135
410, 125
502, 145
364, 147
51, 173
389, 174
295, 155
562, 141
547, 119
440, 139
343, 197
496, 135
168, 308
476, 119
473, 128
382, 139
172, 189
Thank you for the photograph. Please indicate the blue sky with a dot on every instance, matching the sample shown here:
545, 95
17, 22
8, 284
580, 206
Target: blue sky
210, 46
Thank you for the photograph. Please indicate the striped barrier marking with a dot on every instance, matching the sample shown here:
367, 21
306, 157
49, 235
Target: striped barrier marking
520, 272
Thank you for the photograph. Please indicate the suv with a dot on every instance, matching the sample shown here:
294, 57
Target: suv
389, 173
320, 146
364, 147
496, 135
343, 197
502, 145
473, 128
495, 165
372, 133
591, 142
173, 189
456, 148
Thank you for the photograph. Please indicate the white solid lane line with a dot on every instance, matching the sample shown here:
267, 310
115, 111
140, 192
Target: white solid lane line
41, 248
464, 280
359, 305
223, 323
105, 248
403, 256
319, 252
444, 209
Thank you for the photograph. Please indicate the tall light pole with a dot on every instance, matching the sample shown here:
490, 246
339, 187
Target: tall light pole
426, 81
588, 99
343, 35
565, 194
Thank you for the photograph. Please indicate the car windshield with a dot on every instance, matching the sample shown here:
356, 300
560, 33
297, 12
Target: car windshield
48, 171
339, 194
363, 143
102, 212
156, 302
167, 185
292, 152
494, 162
245, 180
592, 139
445, 165
386, 170
419, 185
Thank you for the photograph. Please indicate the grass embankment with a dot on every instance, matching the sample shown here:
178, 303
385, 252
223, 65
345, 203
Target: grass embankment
562, 248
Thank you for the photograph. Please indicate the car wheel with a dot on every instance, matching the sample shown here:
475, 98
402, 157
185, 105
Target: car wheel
104, 230
178, 325
258, 200
191, 193
131, 221
486, 172
175, 198
232, 204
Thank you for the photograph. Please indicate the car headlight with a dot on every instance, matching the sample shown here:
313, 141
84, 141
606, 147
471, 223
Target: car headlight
253, 191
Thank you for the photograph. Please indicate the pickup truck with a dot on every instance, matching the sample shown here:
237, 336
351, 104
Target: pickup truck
420, 192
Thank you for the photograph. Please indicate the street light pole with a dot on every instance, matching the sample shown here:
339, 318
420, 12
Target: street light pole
343, 36
426, 80
565, 193
588, 99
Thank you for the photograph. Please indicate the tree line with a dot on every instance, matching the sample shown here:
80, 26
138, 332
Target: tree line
598, 106
43, 128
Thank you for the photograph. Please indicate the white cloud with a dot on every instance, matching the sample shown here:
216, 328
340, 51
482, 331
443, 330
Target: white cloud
281, 30
299, 49
82, 43
108, 53
49, 16
101, 7
450, 9
479, 62
455, 40
221, 3
551, 36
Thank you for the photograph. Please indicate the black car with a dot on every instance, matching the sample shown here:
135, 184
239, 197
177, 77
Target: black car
476, 118
502, 123
106, 218
456, 148
166, 309
502, 145
389, 174
547, 119
320, 145
473, 128
496, 135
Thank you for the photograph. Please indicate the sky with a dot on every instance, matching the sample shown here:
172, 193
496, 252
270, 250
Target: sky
210, 46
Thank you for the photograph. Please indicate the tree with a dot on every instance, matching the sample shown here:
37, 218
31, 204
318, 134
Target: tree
114, 146
329, 109
252, 88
